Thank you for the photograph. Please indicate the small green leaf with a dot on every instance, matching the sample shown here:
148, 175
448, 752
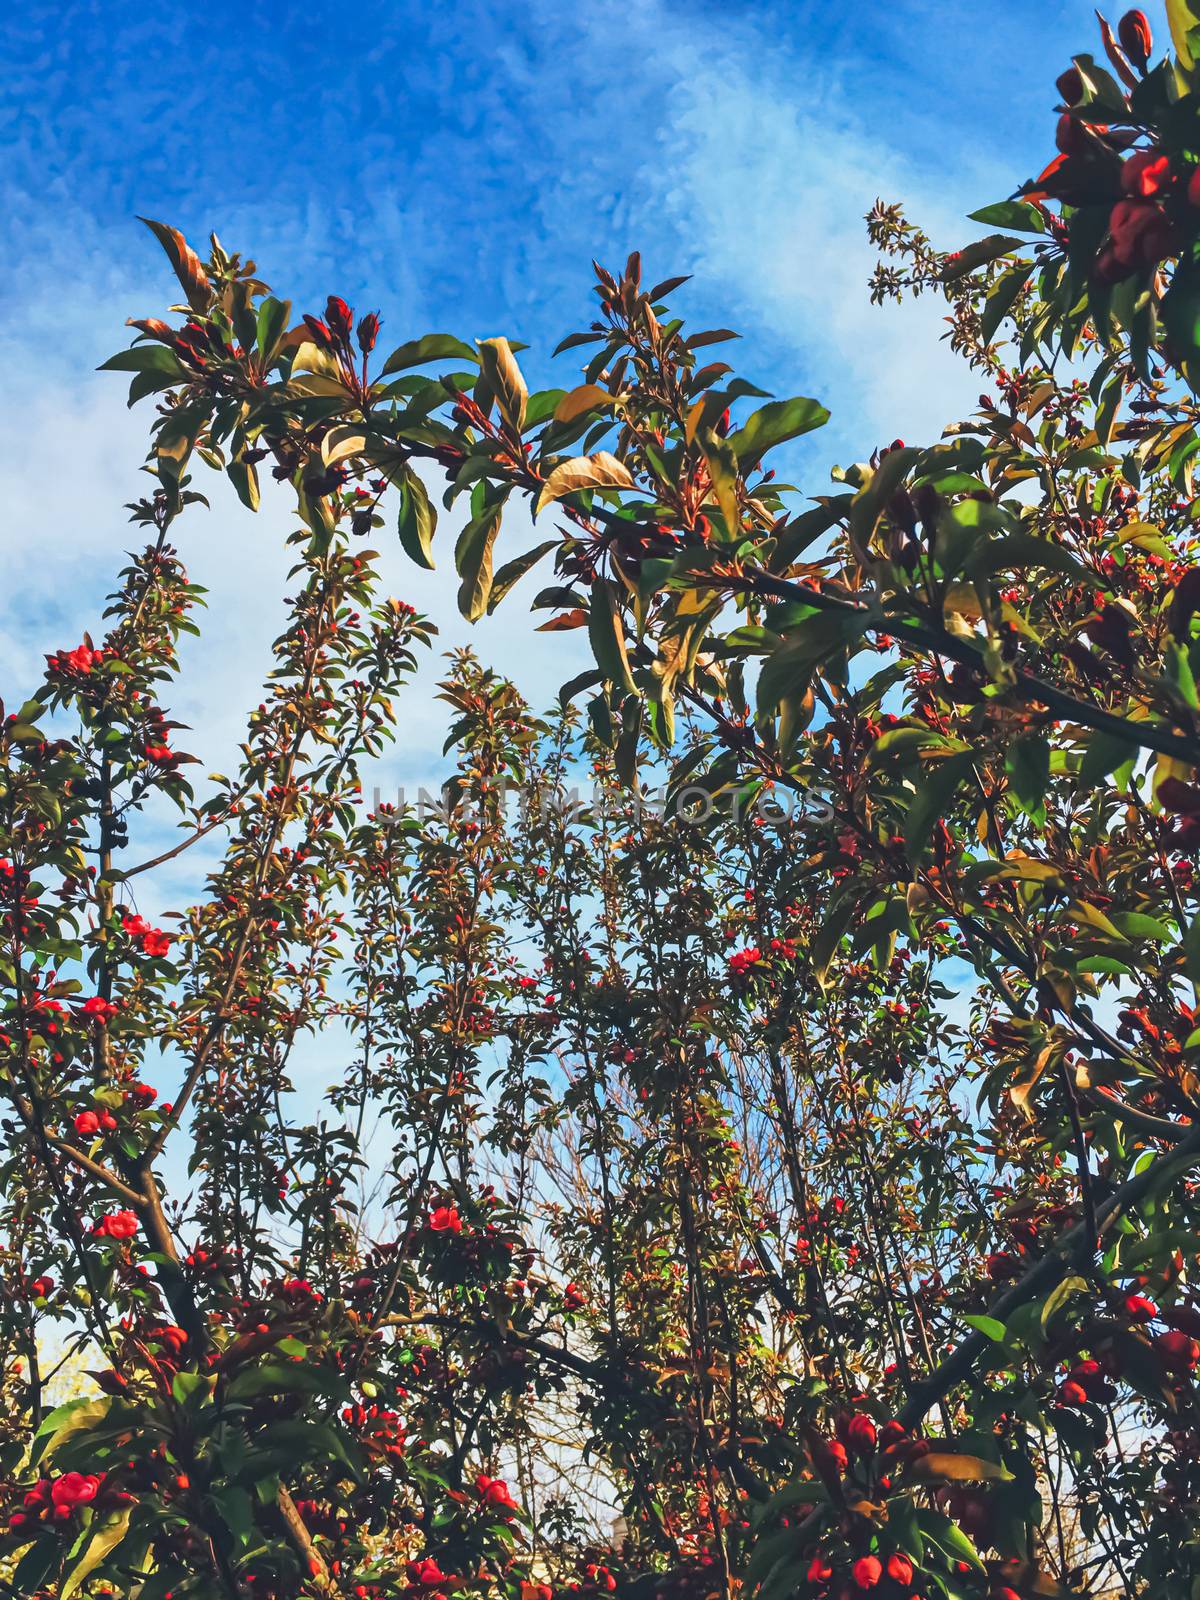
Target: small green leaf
772, 424
417, 520
988, 1326
1027, 763
473, 559
273, 318
432, 347
513, 571
933, 798
104, 1540
607, 635
1060, 1297
1011, 214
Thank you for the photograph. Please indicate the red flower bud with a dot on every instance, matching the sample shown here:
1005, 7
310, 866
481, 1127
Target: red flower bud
1141, 234
320, 333
867, 1571
1146, 173
1137, 41
368, 332
87, 1124
1139, 1309
339, 317
1177, 1352
860, 1434
1002, 1266
445, 1219
900, 1568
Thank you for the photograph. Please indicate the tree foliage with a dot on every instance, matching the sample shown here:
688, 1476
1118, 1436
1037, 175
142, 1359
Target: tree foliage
800, 1165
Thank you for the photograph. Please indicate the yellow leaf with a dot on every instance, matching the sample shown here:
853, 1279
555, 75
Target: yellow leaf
310, 357
1182, 18
963, 599
723, 471
339, 443
1020, 866
504, 375
1095, 918
601, 471
588, 397
106, 1537
1020, 1092
953, 1468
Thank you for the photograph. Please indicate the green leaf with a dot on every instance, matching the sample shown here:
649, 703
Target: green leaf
279, 1378
1179, 673
948, 1536
513, 571
988, 1326
1027, 763
192, 1386
900, 743
1011, 214
810, 641
607, 635
1104, 754
772, 424
828, 936
1136, 925
105, 1538
626, 752
1023, 550
1191, 954
723, 473
1060, 1296
977, 254
36, 1565
273, 318
473, 560
156, 358
431, 347
1002, 298
244, 477
798, 533
417, 520
71, 1418
932, 799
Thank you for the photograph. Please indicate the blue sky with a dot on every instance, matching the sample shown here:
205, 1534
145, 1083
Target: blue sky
457, 168
462, 164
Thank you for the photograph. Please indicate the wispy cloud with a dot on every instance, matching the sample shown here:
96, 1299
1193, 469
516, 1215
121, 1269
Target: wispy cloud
461, 176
